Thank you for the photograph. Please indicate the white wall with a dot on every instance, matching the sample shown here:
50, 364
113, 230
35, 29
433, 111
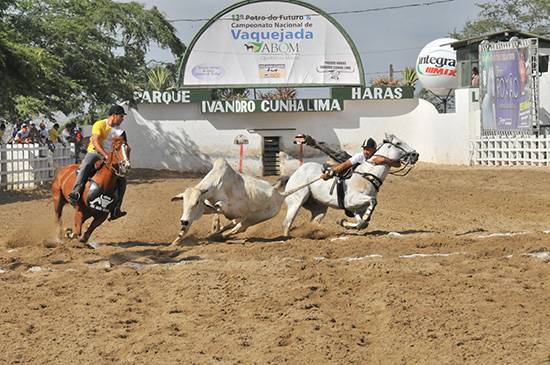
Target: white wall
179, 137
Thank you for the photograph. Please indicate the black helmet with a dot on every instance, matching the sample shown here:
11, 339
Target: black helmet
369, 143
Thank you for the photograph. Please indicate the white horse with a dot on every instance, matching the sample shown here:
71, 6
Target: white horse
360, 190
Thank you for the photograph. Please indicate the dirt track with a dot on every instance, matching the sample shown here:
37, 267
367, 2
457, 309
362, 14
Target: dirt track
480, 295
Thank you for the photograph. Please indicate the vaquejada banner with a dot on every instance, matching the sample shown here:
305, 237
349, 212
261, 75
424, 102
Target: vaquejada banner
276, 43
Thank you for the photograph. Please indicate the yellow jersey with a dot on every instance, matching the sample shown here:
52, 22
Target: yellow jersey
102, 130
54, 135
105, 134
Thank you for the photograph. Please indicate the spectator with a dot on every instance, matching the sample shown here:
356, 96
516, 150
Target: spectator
475, 77
2, 131
53, 133
34, 134
16, 128
68, 133
78, 143
23, 135
43, 135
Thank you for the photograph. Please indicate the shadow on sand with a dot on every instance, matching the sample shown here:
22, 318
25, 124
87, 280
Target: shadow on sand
403, 233
150, 256
259, 240
12, 196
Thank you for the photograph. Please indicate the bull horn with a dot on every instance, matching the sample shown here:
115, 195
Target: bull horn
178, 239
177, 197
216, 207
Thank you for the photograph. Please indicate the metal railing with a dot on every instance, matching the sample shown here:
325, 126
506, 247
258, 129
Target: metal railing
27, 166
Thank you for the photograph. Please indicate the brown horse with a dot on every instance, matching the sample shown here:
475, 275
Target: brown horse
97, 198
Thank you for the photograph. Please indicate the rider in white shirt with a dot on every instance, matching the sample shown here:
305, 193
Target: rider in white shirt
369, 147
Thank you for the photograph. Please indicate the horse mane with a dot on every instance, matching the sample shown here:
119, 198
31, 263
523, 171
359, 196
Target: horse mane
116, 142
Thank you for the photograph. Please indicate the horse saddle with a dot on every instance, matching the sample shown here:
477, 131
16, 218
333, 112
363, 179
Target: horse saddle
339, 183
98, 200
340, 195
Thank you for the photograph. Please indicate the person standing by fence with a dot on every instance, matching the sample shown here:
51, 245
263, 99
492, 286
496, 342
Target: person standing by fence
475, 77
67, 133
34, 134
53, 133
2, 132
23, 135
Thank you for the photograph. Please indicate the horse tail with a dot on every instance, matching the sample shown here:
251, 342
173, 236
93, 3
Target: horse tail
59, 202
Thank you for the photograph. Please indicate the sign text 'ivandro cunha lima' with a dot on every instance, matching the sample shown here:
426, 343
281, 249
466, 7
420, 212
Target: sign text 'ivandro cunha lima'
272, 106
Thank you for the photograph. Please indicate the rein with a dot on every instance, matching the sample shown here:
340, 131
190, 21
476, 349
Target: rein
406, 159
407, 168
115, 171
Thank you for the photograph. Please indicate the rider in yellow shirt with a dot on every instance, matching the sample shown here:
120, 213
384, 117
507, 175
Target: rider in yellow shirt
100, 142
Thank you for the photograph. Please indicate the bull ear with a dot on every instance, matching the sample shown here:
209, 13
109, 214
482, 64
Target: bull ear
177, 197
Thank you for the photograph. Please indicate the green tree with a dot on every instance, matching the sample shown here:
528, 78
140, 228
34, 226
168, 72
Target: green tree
160, 78
75, 55
531, 16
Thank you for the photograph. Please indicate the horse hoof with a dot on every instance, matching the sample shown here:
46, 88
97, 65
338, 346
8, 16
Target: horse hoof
69, 234
340, 222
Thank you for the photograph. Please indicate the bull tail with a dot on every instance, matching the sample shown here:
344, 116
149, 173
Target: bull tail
281, 182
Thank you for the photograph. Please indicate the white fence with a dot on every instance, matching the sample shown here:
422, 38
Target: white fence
512, 150
26, 166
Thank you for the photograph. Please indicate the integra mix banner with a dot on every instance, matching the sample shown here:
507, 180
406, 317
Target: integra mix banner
506, 86
271, 43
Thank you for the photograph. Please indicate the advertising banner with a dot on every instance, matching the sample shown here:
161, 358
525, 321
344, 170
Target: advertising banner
436, 67
274, 43
506, 87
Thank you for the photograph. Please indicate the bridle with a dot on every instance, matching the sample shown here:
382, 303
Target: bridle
408, 159
120, 169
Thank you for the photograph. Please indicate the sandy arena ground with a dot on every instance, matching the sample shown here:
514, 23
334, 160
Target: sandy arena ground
454, 269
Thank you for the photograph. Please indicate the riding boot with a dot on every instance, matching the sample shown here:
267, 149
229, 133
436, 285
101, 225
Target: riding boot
85, 171
74, 195
117, 213
120, 190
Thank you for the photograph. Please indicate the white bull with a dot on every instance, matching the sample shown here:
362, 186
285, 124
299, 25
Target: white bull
244, 200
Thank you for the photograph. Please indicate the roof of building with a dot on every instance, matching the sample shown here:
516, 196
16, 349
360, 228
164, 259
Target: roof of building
504, 35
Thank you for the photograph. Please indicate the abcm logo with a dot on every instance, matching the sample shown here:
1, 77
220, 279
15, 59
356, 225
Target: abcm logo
272, 47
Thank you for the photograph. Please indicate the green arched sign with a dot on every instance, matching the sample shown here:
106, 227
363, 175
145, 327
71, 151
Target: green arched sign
271, 44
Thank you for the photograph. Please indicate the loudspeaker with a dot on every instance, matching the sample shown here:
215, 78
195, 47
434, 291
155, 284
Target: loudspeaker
543, 63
